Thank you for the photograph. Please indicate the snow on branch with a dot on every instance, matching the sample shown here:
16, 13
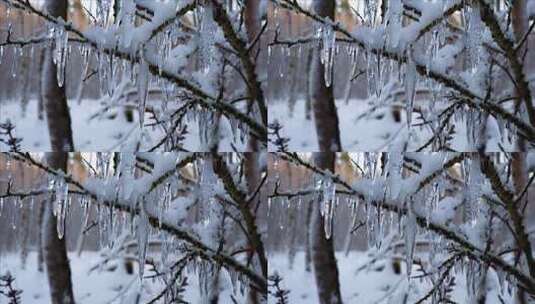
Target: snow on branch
121, 192
140, 44
457, 51
416, 198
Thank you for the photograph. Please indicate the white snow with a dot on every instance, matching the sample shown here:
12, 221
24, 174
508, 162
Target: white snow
107, 132
362, 129
93, 285
361, 284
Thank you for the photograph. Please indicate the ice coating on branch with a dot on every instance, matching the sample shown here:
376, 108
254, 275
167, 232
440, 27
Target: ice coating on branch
410, 86
409, 233
143, 237
142, 89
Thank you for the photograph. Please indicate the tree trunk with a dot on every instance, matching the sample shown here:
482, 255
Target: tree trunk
251, 165
519, 174
252, 178
55, 250
55, 100
520, 22
326, 117
323, 259
59, 125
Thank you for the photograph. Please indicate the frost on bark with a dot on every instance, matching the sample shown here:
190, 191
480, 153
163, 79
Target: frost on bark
323, 259
55, 251
54, 98
324, 108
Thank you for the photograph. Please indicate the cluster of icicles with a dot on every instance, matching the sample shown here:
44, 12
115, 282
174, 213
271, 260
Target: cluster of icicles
114, 72
119, 229
385, 78
423, 209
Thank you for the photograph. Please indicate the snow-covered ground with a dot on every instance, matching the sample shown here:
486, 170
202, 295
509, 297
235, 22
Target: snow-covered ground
108, 132
363, 130
377, 283
92, 285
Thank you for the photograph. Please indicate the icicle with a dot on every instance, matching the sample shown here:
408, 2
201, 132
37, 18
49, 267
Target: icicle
167, 45
103, 11
208, 180
103, 163
410, 237
142, 238
61, 191
163, 206
206, 123
370, 161
327, 52
60, 51
433, 202
410, 86
15, 63
370, 227
14, 215
394, 169
326, 186
329, 192
475, 181
142, 88
207, 34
